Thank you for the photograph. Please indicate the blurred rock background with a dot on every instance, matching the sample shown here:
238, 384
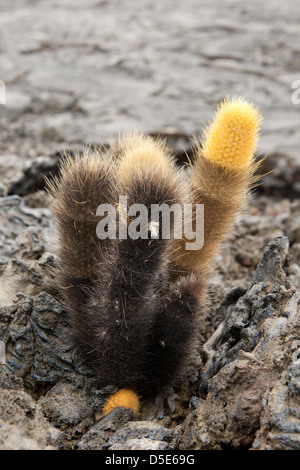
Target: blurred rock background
77, 73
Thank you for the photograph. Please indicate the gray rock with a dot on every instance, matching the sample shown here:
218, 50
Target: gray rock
252, 385
97, 437
140, 444
65, 405
38, 344
150, 431
19, 410
26, 228
32, 177
94, 439
13, 438
93, 81
9, 380
115, 419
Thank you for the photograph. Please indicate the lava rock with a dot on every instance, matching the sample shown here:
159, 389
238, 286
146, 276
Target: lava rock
19, 410
250, 383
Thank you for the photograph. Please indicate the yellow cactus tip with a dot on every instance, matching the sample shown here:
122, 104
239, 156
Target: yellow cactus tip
231, 140
125, 398
141, 154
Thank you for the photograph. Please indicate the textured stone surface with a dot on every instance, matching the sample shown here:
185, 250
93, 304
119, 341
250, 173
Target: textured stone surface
12, 438
249, 376
149, 431
97, 437
76, 72
19, 411
140, 444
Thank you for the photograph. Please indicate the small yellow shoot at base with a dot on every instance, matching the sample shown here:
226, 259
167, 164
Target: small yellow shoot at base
125, 398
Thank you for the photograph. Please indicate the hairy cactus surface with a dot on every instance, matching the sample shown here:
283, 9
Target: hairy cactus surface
134, 303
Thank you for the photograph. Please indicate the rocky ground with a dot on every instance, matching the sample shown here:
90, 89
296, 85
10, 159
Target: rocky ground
75, 73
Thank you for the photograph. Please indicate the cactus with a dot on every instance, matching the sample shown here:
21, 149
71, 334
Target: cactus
134, 304
231, 140
125, 398
223, 172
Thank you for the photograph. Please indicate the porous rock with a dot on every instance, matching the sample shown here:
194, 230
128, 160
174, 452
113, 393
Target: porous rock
141, 432
97, 437
248, 376
19, 411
